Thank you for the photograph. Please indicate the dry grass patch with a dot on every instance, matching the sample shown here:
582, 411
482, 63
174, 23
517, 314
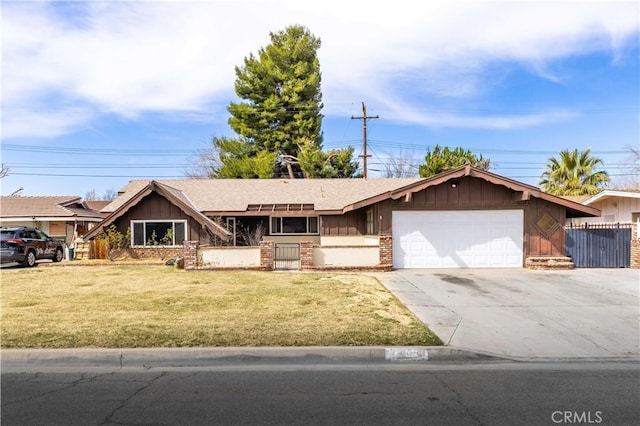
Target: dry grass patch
158, 306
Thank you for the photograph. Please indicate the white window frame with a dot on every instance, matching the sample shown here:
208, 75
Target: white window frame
146, 238
280, 218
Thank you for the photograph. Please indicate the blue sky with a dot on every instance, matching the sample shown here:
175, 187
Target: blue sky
96, 94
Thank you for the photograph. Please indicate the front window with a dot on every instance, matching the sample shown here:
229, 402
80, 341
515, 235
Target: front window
294, 225
158, 233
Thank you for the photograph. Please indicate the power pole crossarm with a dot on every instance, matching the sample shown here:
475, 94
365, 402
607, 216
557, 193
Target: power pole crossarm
364, 136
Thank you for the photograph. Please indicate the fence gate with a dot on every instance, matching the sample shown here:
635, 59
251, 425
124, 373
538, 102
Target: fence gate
599, 245
286, 256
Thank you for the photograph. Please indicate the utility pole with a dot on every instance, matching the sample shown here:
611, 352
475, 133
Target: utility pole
364, 136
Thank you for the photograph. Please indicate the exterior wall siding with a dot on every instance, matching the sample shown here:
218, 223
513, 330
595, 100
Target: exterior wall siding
156, 207
478, 194
351, 223
617, 209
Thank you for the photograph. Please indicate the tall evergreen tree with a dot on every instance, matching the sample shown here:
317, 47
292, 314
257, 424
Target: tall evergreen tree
278, 121
573, 173
280, 89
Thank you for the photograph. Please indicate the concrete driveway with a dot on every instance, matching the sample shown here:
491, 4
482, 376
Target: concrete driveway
580, 313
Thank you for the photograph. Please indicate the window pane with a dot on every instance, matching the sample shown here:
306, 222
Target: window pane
370, 223
294, 225
179, 233
138, 234
275, 225
313, 225
157, 230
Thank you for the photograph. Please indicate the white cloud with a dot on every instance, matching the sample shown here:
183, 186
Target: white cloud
127, 58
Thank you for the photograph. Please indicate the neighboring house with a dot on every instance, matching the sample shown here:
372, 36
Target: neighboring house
465, 217
57, 216
616, 207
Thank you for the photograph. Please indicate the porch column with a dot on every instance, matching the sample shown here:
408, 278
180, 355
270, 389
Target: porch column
306, 255
266, 255
386, 250
190, 254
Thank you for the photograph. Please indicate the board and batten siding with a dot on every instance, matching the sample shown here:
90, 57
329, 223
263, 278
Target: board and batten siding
348, 224
469, 194
477, 194
156, 207
614, 210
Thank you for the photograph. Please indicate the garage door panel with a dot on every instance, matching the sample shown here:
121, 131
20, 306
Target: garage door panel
458, 239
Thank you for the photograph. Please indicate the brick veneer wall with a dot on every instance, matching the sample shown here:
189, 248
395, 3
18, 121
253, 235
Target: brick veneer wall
306, 255
386, 250
266, 255
190, 252
635, 247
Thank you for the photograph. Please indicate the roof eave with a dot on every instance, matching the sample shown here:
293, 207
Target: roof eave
155, 186
574, 208
610, 194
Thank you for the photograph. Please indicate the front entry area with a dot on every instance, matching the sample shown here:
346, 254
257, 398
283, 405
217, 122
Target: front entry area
458, 239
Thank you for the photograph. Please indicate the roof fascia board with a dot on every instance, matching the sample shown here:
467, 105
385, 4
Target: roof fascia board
107, 221
467, 170
71, 201
610, 193
49, 218
151, 187
191, 210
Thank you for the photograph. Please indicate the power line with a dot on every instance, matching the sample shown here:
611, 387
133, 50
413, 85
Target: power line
99, 176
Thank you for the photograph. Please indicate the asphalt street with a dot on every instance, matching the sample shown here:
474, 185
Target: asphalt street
423, 393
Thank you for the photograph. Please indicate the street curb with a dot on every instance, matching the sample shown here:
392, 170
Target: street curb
199, 357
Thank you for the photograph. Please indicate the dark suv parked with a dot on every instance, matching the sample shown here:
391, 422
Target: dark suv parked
26, 245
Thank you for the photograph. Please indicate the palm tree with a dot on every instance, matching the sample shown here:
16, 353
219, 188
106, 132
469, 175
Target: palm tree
573, 173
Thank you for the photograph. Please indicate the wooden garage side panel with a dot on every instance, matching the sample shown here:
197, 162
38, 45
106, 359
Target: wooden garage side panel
537, 242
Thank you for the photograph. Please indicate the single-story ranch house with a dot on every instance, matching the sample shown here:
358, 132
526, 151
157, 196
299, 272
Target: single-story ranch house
465, 217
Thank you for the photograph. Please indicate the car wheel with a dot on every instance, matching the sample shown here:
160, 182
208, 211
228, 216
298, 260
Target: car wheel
30, 259
58, 256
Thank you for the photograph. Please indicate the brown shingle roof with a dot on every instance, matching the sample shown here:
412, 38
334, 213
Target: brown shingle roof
235, 195
576, 198
55, 206
96, 205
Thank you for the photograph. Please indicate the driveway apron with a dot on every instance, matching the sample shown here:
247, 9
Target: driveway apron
579, 313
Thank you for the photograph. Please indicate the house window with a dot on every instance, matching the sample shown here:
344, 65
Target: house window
294, 225
164, 233
635, 216
371, 223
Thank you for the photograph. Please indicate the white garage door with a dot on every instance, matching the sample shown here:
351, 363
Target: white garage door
458, 239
